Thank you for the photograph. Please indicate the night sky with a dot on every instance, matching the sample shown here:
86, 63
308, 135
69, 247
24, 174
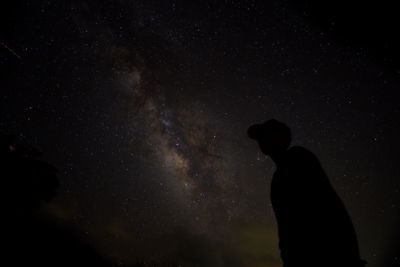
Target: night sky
143, 107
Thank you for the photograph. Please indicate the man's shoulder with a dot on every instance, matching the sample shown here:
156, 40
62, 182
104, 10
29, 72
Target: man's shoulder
298, 148
299, 156
299, 151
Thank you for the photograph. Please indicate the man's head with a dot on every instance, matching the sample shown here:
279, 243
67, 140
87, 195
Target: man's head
273, 137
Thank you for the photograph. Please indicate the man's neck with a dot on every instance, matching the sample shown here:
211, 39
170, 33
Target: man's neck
277, 157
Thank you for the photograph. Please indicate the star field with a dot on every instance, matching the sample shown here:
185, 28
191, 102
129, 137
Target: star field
143, 107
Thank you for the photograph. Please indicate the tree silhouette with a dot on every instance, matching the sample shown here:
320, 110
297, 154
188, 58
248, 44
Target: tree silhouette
29, 238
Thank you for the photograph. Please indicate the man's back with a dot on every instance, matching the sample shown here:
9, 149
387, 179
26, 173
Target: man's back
314, 226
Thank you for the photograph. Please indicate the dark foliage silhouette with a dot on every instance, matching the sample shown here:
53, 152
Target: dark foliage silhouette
313, 225
26, 180
30, 239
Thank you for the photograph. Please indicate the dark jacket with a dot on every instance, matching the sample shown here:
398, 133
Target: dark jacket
314, 226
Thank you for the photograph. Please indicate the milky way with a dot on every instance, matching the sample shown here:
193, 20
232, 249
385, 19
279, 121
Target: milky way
188, 150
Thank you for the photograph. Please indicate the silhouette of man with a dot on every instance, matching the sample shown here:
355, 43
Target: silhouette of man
314, 227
